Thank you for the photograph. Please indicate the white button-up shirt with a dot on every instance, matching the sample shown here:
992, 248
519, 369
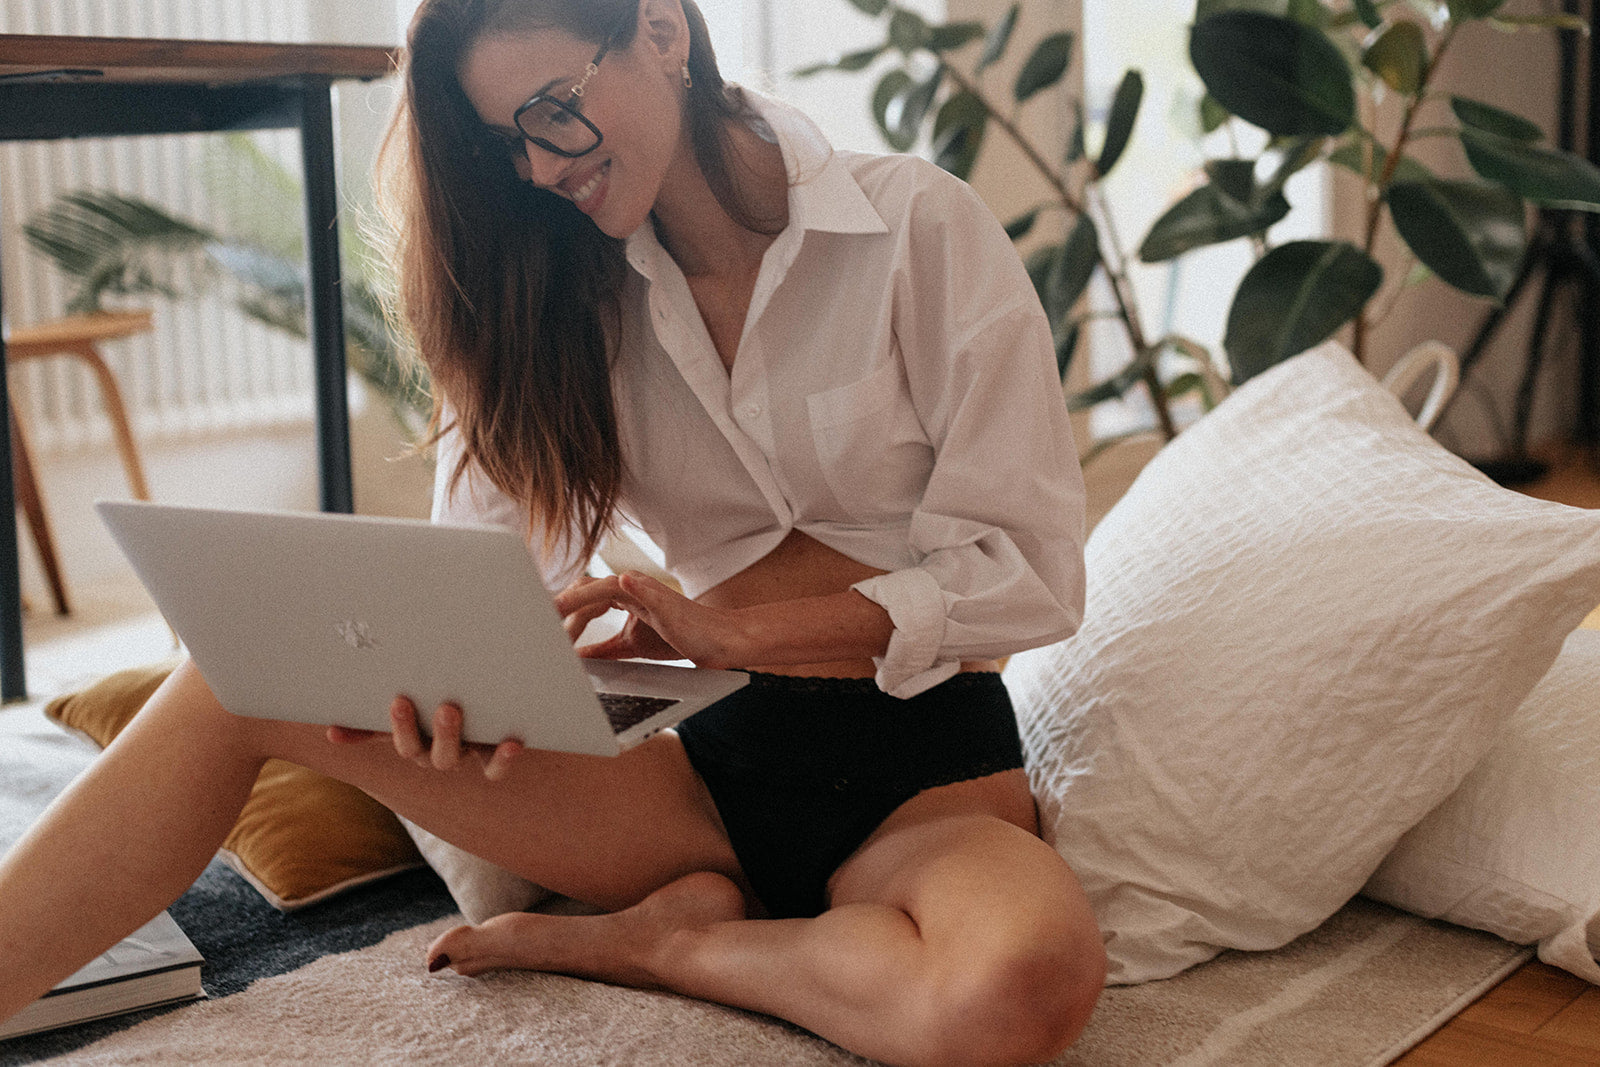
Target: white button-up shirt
893, 396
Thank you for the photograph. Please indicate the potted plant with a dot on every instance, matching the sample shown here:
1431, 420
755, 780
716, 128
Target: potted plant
1295, 69
109, 244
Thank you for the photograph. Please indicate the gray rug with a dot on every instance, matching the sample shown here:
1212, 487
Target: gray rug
1359, 991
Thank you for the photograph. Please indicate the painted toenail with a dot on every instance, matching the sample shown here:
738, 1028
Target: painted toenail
438, 962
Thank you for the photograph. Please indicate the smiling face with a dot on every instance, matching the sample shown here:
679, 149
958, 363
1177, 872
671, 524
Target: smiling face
634, 99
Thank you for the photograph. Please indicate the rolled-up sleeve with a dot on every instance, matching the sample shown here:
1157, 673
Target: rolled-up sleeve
998, 534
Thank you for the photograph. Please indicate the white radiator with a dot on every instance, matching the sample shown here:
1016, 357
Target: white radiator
206, 367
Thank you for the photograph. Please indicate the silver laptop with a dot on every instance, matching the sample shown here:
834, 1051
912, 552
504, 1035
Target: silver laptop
324, 618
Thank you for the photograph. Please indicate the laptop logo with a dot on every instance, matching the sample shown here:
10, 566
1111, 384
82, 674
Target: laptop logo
357, 635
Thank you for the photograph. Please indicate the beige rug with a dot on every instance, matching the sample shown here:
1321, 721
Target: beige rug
1359, 991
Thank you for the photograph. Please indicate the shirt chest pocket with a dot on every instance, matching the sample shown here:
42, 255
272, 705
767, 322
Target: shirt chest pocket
874, 455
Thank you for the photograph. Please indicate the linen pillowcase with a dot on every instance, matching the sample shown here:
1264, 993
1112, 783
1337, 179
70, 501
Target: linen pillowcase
1305, 622
301, 837
1516, 849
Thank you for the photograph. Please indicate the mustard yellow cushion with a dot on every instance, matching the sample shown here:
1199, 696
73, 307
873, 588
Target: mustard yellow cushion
302, 837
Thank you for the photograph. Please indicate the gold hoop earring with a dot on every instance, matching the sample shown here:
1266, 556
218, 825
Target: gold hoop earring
688, 79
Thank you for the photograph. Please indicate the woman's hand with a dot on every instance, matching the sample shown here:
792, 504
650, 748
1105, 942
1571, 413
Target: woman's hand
444, 750
662, 623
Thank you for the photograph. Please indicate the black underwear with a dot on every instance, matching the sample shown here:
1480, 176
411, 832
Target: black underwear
804, 769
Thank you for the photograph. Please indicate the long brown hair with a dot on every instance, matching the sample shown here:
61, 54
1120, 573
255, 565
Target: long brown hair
509, 294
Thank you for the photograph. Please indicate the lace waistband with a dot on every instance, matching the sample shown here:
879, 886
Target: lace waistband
792, 683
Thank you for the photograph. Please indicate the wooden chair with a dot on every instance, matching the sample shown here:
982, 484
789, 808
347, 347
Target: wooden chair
77, 336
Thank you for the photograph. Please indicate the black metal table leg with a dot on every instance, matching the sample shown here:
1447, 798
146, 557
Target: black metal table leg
325, 300
13, 683
1588, 433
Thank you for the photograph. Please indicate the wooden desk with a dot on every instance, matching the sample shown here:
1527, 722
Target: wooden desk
54, 87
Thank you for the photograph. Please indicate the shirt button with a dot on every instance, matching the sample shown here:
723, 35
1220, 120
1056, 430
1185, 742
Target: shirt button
751, 411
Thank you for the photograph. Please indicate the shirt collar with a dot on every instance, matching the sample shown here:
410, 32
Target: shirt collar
823, 194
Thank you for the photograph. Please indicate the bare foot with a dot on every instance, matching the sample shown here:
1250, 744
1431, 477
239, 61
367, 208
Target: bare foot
618, 947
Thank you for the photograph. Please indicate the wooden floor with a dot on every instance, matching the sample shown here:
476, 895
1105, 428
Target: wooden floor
1540, 1016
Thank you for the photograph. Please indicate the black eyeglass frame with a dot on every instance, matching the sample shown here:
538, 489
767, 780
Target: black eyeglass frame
576, 93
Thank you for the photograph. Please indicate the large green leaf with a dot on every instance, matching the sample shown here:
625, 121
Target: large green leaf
1481, 116
953, 35
1234, 178
117, 244
1296, 296
1022, 225
888, 108
871, 7
994, 45
1212, 114
1274, 72
1045, 66
1208, 216
1072, 268
1076, 148
1294, 155
919, 99
1368, 12
849, 62
854, 61
1471, 235
1066, 338
1399, 55
958, 133
907, 31
1038, 264
112, 244
1119, 127
1543, 175
1462, 10
1118, 385
1309, 12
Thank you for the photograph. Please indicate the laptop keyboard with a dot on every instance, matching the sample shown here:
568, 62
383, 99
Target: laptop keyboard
626, 709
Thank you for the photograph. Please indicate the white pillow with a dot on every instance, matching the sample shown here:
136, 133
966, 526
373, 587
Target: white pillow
480, 889
1305, 622
1516, 849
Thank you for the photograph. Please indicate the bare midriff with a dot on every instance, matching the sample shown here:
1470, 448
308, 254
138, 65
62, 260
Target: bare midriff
801, 566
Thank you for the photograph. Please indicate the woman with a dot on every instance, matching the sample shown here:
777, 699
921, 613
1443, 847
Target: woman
822, 383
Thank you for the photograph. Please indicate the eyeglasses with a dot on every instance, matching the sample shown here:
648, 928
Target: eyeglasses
557, 125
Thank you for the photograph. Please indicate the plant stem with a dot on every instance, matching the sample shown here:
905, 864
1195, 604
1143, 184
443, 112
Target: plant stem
1375, 207
1057, 183
1394, 298
1122, 288
1117, 273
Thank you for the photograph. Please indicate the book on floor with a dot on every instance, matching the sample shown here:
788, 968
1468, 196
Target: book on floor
153, 966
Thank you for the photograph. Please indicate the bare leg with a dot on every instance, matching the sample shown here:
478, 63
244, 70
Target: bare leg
150, 813
954, 937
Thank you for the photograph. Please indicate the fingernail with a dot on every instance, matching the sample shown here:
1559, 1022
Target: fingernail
438, 962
